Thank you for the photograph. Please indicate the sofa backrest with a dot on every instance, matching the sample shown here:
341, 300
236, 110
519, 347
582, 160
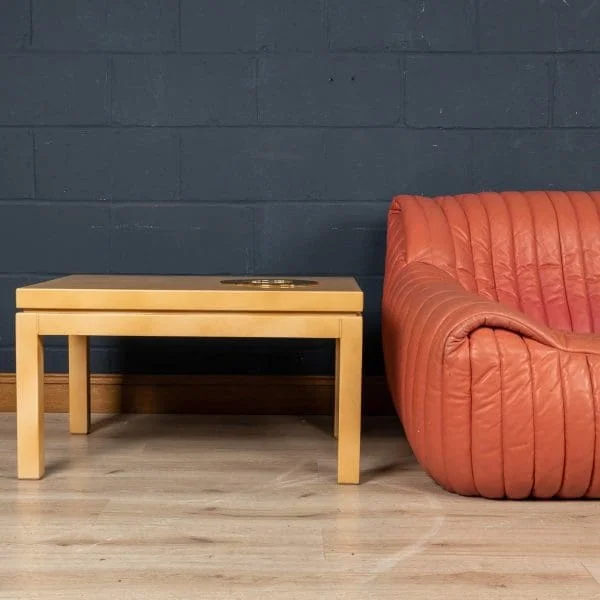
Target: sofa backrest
538, 252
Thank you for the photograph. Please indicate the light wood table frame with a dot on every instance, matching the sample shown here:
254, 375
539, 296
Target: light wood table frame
80, 306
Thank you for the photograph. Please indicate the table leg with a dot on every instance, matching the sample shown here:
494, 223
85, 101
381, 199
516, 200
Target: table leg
349, 399
336, 411
79, 384
30, 397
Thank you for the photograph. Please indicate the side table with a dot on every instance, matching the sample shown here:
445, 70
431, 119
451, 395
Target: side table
79, 306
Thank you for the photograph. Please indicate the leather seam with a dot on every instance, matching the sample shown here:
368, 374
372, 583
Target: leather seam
525, 200
514, 254
470, 396
472, 415
527, 343
583, 267
503, 446
424, 214
595, 205
529, 364
564, 411
562, 257
491, 254
468, 222
442, 420
448, 225
594, 411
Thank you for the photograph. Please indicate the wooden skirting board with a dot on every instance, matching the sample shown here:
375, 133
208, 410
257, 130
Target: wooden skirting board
204, 394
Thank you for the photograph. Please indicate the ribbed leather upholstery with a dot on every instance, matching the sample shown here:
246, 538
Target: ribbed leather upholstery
491, 310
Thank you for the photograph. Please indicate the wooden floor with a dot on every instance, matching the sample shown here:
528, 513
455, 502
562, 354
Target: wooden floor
162, 507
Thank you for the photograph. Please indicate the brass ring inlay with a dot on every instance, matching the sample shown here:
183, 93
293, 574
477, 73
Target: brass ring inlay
269, 283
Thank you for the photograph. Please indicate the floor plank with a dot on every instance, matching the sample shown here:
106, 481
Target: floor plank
161, 507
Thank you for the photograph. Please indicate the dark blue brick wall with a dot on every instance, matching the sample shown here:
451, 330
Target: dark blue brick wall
54, 89
54, 237
107, 164
15, 23
578, 91
207, 239
539, 25
329, 90
180, 89
256, 26
252, 164
80, 25
268, 137
477, 91
16, 163
394, 25
324, 237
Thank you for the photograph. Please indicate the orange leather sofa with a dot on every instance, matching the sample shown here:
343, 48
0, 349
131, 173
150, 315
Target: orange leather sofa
491, 316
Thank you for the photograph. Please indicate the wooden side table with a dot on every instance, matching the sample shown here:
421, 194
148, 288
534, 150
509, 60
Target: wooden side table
80, 306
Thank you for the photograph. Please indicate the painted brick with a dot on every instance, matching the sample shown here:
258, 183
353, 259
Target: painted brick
577, 102
532, 25
321, 239
258, 26
135, 25
502, 160
377, 164
54, 90
8, 286
7, 360
56, 359
477, 91
536, 160
372, 288
184, 90
577, 159
72, 238
393, 25
182, 239
254, 164
329, 90
14, 24
16, 163
109, 164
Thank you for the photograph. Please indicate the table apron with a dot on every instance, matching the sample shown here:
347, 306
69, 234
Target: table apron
193, 324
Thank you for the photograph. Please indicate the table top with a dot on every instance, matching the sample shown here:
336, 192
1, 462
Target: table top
193, 293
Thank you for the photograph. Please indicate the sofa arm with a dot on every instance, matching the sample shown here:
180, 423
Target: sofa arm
425, 310
423, 294
475, 384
